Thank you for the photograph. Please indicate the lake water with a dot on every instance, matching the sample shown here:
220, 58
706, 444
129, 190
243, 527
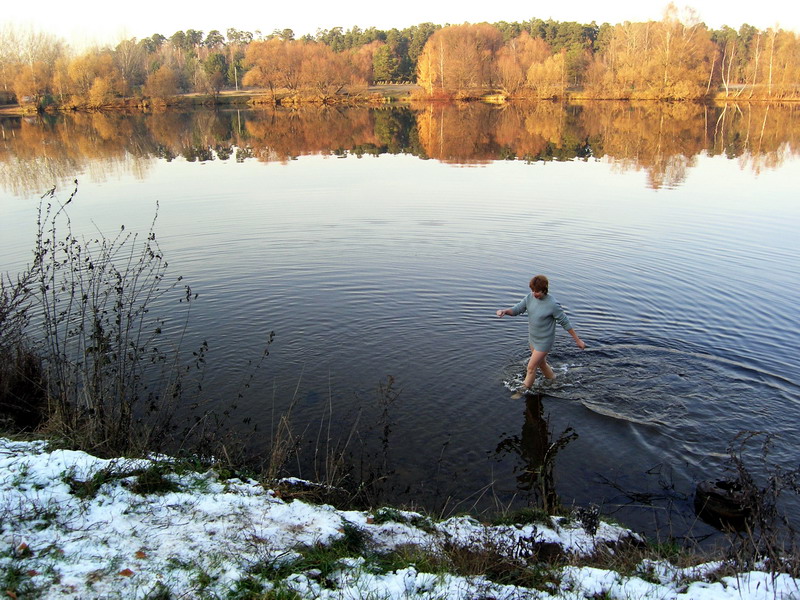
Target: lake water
379, 243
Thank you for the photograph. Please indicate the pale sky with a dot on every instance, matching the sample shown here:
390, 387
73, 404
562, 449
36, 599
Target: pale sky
87, 22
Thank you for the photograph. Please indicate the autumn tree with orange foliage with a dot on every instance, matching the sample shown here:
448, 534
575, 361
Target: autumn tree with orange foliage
515, 59
324, 71
685, 57
92, 78
460, 59
673, 59
301, 66
274, 64
162, 84
548, 79
362, 61
27, 64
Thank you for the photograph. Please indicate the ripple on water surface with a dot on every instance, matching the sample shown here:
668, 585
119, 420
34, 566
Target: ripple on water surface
678, 395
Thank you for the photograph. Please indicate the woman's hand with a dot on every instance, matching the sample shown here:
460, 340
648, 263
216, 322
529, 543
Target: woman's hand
501, 312
577, 339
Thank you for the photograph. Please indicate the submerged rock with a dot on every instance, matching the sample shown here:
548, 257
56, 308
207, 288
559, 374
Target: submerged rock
722, 503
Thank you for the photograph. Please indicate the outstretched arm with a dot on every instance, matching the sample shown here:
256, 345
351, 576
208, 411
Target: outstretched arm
519, 308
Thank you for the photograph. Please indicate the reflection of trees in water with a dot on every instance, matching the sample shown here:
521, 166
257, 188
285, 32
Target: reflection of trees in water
458, 134
529, 133
760, 135
277, 134
475, 133
537, 452
663, 139
29, 161
660, 138
38, 152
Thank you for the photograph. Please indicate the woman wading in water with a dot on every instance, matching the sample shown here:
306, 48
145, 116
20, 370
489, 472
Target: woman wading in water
543, 314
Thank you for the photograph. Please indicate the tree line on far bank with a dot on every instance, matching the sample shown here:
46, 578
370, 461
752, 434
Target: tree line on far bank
676, 58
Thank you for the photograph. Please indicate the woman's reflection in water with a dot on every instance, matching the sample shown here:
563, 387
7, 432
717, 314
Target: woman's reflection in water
538, 452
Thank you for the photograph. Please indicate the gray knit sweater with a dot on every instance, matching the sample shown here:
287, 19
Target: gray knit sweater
543, 314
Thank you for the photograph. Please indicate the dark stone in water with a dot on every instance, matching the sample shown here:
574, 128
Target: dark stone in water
722, 504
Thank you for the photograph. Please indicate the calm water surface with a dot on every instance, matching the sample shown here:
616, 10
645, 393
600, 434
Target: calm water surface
679, 267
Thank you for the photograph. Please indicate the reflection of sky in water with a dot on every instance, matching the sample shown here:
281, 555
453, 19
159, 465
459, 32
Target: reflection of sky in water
394, 265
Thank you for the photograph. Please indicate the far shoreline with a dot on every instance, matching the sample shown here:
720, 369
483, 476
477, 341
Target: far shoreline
374, 95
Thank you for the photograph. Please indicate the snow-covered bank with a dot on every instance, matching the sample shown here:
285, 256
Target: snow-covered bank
75, 526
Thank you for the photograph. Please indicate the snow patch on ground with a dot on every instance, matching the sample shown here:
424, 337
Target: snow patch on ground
72, 526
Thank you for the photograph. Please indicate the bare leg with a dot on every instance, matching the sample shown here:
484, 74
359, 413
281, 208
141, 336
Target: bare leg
544, 367
537, 361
